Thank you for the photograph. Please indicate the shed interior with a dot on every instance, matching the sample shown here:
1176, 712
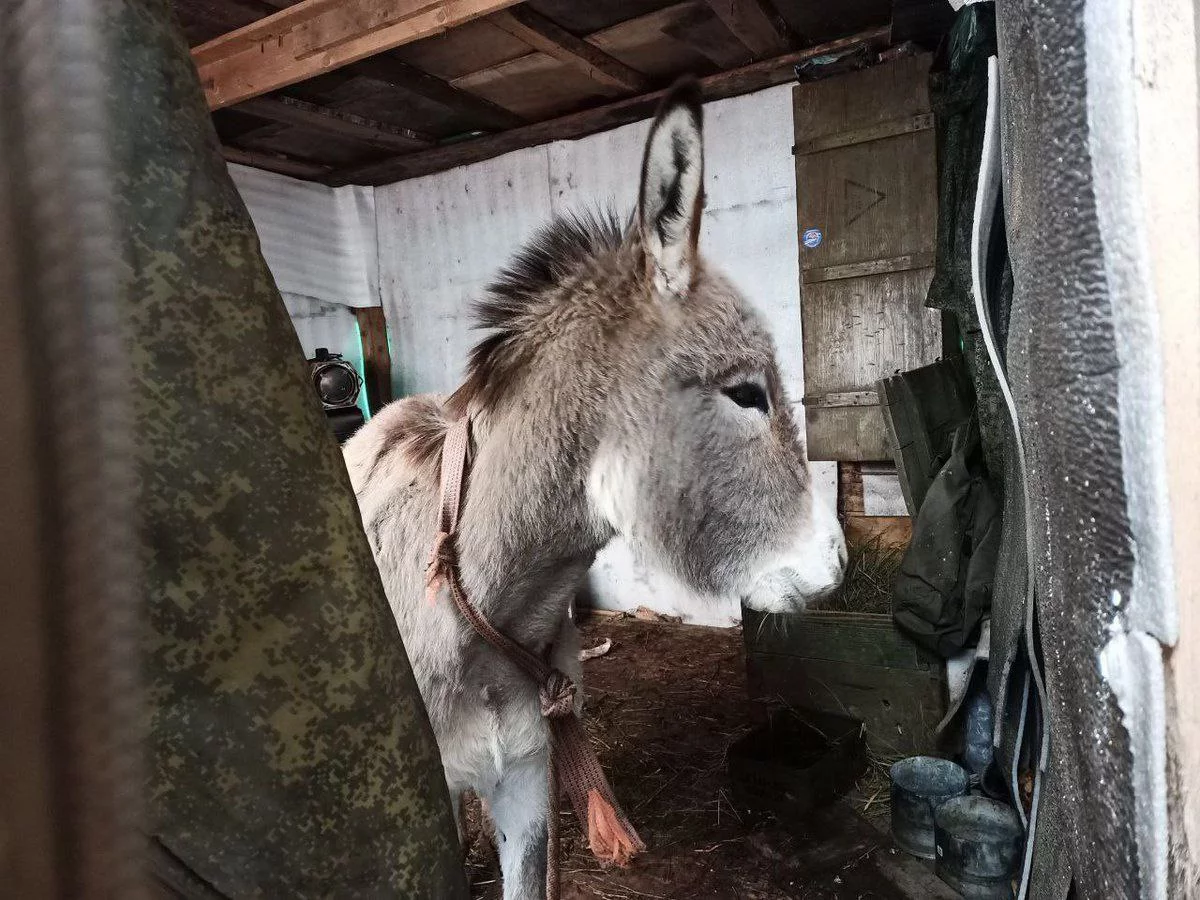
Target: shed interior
854, 133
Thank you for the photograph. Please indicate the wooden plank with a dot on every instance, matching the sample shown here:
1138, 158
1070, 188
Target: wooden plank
399, 74
845, 398
854, 329
889, 531
870, 267
517, 81
547, 37
755, 24
673, 39
537, 86
290, 111
863, 99
274, 163
875, 201
317, 36
715, 87
703, 31
850, 490
809, 20
846, 433
869, 186
890, 128
377, 357
865, 639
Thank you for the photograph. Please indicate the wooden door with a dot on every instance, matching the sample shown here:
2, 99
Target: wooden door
867, 206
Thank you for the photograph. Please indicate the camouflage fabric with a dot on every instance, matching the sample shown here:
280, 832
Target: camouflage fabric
289, 752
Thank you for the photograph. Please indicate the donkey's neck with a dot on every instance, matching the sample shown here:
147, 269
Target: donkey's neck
528, 534
546, 389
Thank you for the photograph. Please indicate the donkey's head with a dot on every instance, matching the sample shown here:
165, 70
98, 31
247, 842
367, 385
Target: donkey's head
698, 464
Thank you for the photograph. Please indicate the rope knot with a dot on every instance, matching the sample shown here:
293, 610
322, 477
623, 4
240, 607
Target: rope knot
442, 560
557, 694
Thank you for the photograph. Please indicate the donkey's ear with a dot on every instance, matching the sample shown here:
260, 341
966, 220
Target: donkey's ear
672, 190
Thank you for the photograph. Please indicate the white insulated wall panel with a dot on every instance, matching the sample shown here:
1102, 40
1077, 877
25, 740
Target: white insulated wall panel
441, 240
318, 241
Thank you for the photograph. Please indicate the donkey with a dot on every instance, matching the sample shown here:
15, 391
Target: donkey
625, 389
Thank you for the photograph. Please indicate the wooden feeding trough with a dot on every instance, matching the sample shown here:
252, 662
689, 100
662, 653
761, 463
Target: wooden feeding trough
850, 664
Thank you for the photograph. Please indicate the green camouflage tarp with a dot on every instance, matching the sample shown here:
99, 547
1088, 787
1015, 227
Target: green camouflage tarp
289, 754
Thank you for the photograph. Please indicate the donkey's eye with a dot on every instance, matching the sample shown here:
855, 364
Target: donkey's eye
747, 395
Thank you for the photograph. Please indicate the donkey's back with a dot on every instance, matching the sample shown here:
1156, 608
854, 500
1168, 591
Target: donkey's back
392, 466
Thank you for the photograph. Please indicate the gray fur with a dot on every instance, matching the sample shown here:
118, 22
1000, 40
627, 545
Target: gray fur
598, 409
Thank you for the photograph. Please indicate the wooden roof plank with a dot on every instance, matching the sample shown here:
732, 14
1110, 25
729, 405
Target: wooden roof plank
317, 36
274, 163
708, 35
290, 111
400, 74
756, 25
575, 125
547, 37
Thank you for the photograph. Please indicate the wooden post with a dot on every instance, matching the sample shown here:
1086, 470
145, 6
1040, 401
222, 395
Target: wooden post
861, 528
377, 358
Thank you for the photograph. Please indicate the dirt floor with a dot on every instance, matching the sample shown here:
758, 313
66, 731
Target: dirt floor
662, 708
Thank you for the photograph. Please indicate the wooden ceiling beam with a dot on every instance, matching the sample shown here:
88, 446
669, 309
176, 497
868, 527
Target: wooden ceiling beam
317, 36
302, 114
547, 37
759, 27
753, 77
274, 162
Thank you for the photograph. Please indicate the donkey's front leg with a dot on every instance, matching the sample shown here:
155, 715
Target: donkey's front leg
518, 806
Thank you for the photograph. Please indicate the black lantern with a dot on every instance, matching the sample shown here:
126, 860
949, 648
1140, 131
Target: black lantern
337, 385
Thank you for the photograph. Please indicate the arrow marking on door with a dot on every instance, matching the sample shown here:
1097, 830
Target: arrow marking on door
861, 198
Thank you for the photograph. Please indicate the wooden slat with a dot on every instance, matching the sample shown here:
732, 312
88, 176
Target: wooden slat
399, 74
869, 639
756, 25
889, 531
290, 111
639, 42
873, 201
704, 32
377, 358
547, 37
891, 128
317, 36
857, 332
538, 86
874, 96
842, 398
715, 87
901, 708
870, 267
274, 163
850, 490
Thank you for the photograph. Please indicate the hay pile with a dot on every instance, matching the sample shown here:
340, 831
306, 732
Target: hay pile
870, 572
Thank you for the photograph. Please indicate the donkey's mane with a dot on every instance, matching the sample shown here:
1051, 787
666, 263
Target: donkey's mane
515, 301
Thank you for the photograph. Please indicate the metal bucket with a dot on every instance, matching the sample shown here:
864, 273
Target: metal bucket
920, 784
978, 847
